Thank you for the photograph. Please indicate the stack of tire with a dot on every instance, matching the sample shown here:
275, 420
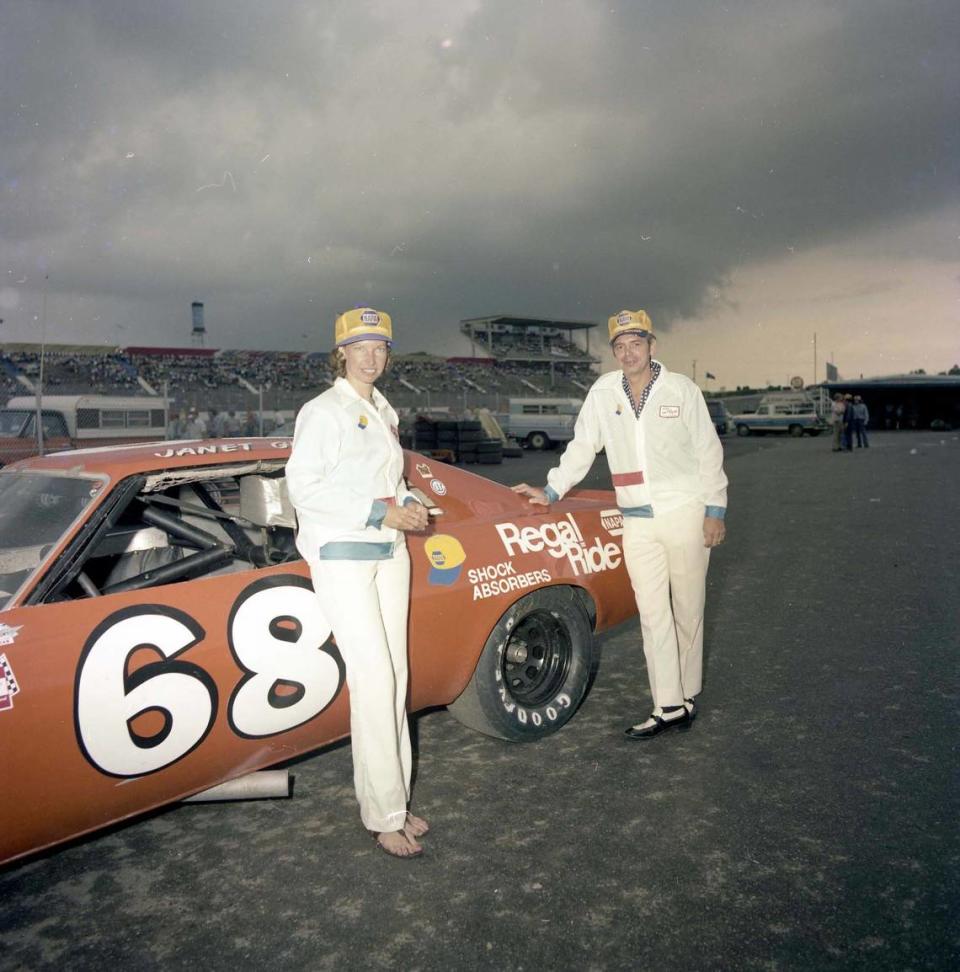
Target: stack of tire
424, 434
468, 440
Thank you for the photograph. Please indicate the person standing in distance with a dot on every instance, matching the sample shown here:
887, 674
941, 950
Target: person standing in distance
345, 480
666, 463
861, 415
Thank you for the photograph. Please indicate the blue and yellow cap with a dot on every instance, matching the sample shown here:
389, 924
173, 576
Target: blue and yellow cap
362, 324
630, 322
446, 556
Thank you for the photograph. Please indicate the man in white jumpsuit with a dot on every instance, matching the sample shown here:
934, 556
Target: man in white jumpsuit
345, 479
667, 468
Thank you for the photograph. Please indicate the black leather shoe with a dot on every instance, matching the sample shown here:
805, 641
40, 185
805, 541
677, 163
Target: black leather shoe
658, 725
691, 706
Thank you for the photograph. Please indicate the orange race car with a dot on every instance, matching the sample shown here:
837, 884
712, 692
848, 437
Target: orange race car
159, 634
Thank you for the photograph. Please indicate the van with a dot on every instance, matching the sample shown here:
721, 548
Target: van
77, 421
540, 423
719, 414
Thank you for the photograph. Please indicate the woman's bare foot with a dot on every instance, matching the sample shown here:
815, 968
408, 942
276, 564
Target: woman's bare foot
415, 826
398, 843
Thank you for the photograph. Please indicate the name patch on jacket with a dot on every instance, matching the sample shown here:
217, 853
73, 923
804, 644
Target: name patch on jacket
669, 411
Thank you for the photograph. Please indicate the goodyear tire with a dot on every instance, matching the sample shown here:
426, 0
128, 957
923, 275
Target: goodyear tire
534, 670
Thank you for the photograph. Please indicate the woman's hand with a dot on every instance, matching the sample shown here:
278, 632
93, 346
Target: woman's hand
411, 517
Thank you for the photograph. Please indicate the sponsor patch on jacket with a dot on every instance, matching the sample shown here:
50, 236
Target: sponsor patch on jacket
669, 411
438, 487
424, 470
8, 633
362, 422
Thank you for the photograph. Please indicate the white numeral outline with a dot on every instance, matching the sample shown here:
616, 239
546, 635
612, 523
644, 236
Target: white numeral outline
284, 712
105, 691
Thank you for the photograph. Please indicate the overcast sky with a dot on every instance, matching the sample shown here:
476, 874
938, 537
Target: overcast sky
749, 173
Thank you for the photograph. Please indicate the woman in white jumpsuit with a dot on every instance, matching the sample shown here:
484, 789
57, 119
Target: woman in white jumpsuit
345, 479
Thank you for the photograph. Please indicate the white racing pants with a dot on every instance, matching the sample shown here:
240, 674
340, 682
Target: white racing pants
366, 603
667, 563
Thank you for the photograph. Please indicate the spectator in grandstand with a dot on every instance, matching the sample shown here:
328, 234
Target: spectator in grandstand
195, 427
232, 425
176, 426
219, 424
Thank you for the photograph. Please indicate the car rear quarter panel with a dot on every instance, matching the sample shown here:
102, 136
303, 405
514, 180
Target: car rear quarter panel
52, 744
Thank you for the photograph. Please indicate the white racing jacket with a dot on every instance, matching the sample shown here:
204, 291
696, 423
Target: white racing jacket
668, 457
346, 454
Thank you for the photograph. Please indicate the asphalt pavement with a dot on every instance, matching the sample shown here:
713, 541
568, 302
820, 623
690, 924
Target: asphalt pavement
807, 821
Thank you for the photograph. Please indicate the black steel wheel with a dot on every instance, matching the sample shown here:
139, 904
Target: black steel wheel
534, 669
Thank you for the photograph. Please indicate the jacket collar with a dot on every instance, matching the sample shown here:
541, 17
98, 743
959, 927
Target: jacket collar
347, 392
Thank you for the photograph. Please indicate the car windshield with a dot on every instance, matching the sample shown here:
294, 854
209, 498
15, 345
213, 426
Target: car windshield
11, 421
36, 509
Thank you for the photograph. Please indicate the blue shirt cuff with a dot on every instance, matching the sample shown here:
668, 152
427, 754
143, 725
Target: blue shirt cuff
552, 494
716, 511
377, 512
410, 500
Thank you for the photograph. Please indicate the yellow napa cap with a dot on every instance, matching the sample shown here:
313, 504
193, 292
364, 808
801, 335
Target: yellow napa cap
444, 552
630, 322
446, 556
362, 324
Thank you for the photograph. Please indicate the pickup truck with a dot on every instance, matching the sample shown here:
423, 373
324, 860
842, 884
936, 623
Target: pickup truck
540, 423
794, 418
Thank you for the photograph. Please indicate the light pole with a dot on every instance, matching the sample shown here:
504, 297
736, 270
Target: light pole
43, 346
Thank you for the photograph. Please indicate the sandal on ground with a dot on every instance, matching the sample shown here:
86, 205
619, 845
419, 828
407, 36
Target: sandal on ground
406, 853
657, 723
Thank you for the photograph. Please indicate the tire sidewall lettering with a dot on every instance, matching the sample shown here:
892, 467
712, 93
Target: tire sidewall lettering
553, 712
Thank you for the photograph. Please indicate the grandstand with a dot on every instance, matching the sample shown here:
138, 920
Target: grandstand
537, 355
522, 357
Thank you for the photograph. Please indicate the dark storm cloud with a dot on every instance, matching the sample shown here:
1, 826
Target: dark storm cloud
448, 160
